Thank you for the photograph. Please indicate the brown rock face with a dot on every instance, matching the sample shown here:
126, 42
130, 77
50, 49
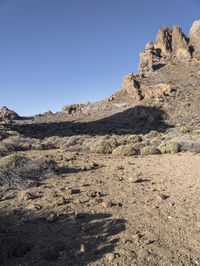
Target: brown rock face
194, 36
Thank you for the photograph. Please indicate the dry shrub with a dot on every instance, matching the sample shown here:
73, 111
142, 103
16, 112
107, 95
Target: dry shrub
21, 172
169, 147
103, 145
153, 134
149, 150
189, 145
125, 150
184, 129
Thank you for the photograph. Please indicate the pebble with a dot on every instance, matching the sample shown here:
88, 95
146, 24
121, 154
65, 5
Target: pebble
163, 197
107, 204
110, 257
75, 191
82, 248
34, 207
79, 215
24, 196
52, 217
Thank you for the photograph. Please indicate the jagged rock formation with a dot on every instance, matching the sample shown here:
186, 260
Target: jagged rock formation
132, 87
194, 36
7, 114
170, 45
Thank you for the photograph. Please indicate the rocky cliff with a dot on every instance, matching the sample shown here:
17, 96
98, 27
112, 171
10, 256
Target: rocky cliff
171, 45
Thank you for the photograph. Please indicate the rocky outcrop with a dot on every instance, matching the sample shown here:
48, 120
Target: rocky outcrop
194, 37
7, 115
180, 46
149, 59
170, 45
132, 87
73, 108
139, 91
164, 41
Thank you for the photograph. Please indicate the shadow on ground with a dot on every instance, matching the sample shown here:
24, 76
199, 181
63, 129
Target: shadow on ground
28, 239
138, 120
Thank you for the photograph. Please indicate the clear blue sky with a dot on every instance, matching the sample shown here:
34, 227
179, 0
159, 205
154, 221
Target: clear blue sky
57, 52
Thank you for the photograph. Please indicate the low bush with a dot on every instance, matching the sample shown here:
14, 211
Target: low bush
149, 150
20, 171
184, 129
103, 145
169, 147
125, 150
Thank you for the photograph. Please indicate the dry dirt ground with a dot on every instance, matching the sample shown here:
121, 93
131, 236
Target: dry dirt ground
106, 210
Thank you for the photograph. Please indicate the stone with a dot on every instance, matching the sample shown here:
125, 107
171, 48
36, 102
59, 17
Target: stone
107, 204
79, 215
75, 191
34, 207
52, 217
25, 196
110, 257
163, 196
82, 249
